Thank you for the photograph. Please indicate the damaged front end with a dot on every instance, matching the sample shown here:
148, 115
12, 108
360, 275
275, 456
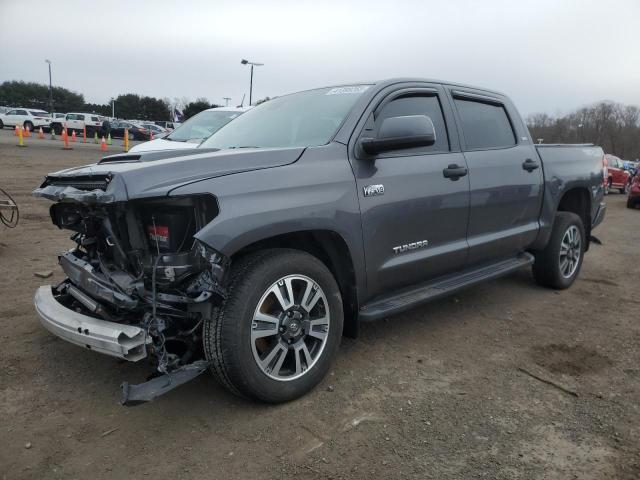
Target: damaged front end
139, 285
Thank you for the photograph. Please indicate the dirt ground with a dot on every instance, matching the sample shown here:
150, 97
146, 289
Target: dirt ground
441, 392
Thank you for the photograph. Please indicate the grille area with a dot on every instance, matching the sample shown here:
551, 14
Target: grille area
80, 183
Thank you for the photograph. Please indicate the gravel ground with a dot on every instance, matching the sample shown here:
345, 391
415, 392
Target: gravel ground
506, 380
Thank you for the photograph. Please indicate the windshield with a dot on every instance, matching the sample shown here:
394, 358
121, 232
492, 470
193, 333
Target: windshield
202, 125
302, 119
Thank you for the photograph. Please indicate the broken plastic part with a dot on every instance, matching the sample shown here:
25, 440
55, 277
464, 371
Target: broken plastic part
152, 389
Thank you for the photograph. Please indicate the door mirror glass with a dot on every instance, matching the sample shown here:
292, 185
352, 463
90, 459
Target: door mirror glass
397, 133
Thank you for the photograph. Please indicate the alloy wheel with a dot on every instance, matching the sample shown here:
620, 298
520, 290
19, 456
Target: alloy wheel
290, 327
570, 251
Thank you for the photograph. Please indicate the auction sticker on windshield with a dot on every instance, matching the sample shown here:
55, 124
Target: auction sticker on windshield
343, 90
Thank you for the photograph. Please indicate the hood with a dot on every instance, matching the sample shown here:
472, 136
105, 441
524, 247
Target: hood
162, 144
130, 176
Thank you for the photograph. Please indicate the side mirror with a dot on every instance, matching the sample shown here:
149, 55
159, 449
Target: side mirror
397, 133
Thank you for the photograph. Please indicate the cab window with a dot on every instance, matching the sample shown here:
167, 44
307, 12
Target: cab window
412, 104
485, 125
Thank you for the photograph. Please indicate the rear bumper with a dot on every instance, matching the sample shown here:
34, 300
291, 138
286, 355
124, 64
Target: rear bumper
114, 339
602, 210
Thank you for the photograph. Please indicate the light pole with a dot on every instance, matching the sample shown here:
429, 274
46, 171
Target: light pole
113, 108
50, 87
226, 99
253, 64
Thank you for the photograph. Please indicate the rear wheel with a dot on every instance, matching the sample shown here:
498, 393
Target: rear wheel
626, 188
1, 125
278, 331
558, 265
28, 125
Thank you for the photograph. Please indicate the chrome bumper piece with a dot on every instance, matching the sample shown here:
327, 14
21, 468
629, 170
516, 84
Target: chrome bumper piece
114, 339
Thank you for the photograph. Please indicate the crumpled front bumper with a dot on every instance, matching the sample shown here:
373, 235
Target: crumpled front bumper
114, 339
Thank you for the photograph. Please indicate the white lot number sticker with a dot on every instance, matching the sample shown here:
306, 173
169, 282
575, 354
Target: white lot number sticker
345, 90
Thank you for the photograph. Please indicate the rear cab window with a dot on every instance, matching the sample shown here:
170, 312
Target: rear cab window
485, 124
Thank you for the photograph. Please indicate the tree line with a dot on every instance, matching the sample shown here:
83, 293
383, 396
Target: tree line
129, 106
613, 126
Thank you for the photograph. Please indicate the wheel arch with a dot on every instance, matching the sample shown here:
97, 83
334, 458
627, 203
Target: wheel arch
333, 251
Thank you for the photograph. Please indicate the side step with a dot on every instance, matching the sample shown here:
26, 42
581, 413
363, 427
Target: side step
408, 298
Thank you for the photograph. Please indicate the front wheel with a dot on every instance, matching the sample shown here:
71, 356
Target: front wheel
558, 265
278, 331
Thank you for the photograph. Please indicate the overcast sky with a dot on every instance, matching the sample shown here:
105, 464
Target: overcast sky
548, 55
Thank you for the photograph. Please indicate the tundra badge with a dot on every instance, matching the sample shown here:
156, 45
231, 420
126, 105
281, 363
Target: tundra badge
373, 190
411, 246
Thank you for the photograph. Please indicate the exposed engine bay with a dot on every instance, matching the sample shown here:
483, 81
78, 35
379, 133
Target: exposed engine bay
137, 263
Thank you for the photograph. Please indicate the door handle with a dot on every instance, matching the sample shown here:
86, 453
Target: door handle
530, 165
454, 172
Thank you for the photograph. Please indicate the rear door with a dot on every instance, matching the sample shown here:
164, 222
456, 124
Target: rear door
414, 219
505, 176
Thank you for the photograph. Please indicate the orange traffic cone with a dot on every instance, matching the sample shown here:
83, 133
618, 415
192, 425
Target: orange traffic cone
27, 132
73, 136
41, 134
65, 139
150, 134
16, 131
103, 145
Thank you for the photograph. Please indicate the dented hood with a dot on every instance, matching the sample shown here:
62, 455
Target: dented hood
130, 176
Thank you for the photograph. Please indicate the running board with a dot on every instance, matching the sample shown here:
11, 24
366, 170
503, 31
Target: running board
413, 296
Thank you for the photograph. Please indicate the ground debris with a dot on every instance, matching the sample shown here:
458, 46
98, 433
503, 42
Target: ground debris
549, 382
109, 432
43, 273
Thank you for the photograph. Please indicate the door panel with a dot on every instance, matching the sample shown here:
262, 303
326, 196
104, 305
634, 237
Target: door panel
505, 202
418, 204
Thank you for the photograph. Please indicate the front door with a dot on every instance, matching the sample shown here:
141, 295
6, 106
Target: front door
414, 219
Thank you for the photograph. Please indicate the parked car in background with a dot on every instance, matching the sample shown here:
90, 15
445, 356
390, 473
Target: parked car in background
134, 131
192, 132
168, 125
157, 130
618, 177
26, 117
77, 122
633, 199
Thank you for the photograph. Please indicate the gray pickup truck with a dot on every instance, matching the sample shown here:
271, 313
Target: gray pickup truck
252, 255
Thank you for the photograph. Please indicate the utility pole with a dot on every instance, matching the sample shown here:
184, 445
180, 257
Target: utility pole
253, 64
50, 88
226, 99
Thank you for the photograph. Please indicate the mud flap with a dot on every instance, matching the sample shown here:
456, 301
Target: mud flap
148, 391
595, 240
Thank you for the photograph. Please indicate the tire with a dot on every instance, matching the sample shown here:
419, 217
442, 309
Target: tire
228, 336
1, 125
547, 268
626, 188
28, 124
631, 203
